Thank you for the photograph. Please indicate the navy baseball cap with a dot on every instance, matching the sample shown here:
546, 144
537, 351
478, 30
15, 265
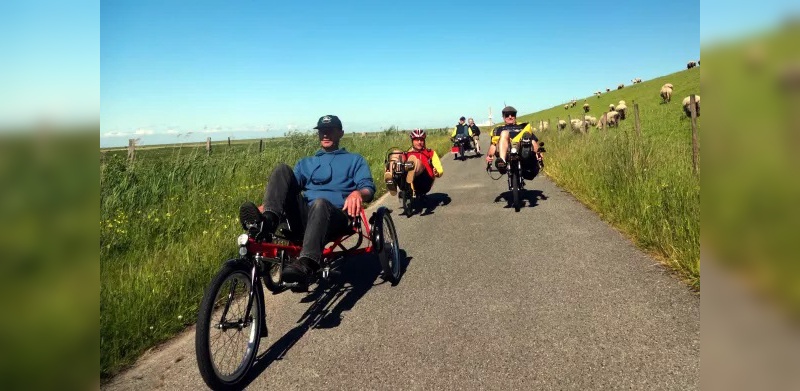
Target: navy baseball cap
328, 121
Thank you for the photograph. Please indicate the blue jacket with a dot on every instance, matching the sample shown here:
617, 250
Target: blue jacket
333, 175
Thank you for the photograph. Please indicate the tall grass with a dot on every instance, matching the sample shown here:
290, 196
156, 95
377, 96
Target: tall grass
168, 221
643, 185
646, 190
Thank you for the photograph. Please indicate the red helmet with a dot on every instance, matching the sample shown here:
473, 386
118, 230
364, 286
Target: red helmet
418, 133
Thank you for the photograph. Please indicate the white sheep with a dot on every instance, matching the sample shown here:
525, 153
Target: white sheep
691, 64
622, 109
621, 86
586, 107
544, 125
687, 105
562, 124
611, 107
576, 125
610, 119
666, 93
591, 120
566, 107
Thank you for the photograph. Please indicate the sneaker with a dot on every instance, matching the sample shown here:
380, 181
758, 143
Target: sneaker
410, 177
251, 219
301, 270
501, 165
390, 184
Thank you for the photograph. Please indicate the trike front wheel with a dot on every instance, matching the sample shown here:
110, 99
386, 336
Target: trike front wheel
387, 246
227, 334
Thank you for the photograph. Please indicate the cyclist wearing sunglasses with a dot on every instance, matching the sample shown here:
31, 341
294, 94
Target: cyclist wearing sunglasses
318, 198
509, 134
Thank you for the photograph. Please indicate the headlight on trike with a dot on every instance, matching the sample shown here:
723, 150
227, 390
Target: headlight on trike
513, 150
242, 240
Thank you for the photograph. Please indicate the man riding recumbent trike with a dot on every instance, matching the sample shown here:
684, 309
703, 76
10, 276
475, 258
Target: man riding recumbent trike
410, 174
462, 139
301, 234
516, 151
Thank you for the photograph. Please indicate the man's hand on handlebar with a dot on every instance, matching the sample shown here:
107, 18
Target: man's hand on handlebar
353, 204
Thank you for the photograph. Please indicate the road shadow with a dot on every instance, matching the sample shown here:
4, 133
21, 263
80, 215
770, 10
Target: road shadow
472, 155
429, 202
328, 301
531, 196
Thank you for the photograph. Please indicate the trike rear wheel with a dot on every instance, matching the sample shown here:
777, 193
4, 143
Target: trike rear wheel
388, 248
227, 338
515, 189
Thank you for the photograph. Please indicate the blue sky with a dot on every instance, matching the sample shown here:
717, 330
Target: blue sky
251, 69
49, 62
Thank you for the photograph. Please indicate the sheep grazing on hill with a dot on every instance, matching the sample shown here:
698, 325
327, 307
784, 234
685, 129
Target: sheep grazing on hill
566, 107
586, 107
622, 109
611, 107
621, 86
562, 124
597, 94
687, 105
544, 125
591, 120
611, 119
573, 103
578, 125
636, 81
608, 90
691, 64
666, 93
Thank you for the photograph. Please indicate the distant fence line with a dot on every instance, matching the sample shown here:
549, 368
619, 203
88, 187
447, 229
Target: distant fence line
209, 146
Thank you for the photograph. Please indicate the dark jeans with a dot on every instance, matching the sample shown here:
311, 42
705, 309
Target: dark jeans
319, 223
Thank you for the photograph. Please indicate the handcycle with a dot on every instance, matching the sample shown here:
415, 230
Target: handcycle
516, 156
461, 145
407, 196
232, 310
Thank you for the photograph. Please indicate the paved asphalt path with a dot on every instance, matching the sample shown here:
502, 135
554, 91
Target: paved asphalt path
550, 297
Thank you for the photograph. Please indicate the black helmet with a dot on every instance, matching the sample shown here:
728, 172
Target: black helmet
462, 119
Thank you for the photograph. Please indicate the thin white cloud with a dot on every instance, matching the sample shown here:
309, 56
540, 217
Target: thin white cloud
115, 134
143, 132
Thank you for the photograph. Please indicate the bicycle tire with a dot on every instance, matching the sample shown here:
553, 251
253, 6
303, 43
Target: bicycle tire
389, 248
215, 375
515, 189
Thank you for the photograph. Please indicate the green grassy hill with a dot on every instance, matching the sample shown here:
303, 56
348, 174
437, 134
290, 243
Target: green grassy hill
643, 185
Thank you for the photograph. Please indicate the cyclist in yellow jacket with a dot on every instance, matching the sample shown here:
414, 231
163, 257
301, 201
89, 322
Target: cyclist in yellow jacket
509, 134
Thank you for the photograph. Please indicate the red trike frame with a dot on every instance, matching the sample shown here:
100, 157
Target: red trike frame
271, 250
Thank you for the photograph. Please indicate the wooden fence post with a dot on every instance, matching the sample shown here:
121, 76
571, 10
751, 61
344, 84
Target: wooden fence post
636, 124
131, 149
208, 145
229, 141
260, 145
693, 111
